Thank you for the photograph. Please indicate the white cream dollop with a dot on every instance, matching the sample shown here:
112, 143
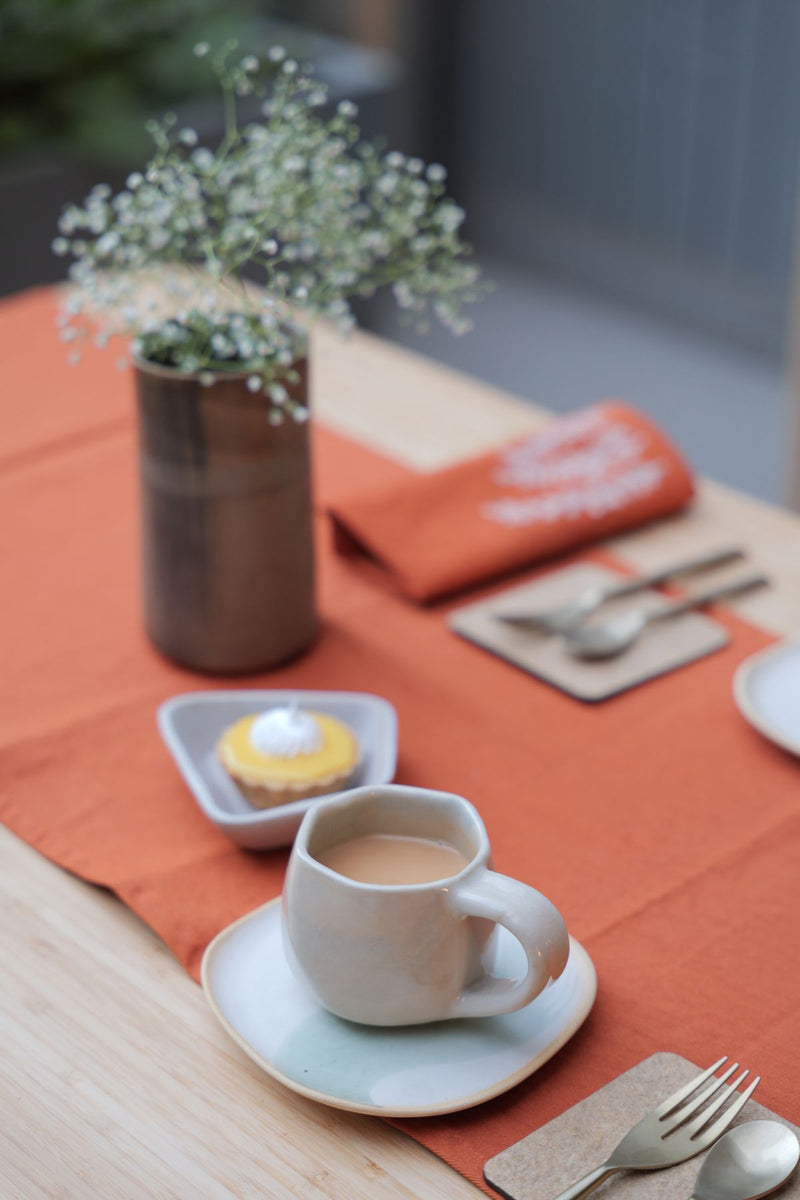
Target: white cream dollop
285, 733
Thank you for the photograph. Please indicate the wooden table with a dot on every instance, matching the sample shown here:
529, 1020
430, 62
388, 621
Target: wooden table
116, 1083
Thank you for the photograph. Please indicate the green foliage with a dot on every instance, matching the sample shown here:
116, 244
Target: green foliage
85, 74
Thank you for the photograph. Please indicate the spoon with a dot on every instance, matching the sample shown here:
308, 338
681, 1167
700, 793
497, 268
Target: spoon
614, 636
748, 1161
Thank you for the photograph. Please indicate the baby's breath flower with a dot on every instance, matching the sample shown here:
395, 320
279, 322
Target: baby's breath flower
403, 295
200, 49
386, 184
450, 217
324, 216
203, 158
108, 242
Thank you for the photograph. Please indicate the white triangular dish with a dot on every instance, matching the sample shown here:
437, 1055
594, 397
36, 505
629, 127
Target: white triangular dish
191, 725
412, 1071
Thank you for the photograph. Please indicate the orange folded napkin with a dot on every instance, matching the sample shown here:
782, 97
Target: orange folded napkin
585, 476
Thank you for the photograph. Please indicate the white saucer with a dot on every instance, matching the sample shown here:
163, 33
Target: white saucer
191, 726
766, 688
413, 1071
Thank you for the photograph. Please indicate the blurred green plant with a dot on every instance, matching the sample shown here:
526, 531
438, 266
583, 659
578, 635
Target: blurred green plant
84, 74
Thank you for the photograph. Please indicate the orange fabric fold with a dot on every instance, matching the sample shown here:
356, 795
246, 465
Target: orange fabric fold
584, 477
663, 826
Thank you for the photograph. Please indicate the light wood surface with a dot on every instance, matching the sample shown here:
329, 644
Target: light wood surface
116, 1081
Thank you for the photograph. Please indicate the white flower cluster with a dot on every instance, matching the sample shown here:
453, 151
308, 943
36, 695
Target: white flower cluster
321, 215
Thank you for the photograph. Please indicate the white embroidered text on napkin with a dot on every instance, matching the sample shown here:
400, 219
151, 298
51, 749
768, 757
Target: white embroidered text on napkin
586, 466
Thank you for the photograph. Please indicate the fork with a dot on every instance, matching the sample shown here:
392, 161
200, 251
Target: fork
674, 1131
566, 616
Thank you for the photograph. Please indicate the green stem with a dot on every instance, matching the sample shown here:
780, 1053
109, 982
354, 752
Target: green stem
229, 99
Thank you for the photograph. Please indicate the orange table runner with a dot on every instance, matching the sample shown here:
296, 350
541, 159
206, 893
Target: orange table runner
666, 830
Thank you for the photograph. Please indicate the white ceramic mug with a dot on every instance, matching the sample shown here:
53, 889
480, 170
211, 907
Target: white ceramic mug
398, 954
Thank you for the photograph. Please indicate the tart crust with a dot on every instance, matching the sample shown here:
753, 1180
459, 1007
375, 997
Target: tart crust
267, 781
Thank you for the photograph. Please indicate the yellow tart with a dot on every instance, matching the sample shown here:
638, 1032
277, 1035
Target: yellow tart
284, 754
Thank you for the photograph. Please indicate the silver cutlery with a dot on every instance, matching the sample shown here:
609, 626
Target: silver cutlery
612, 637
564, 617
677, 1129
748, 1162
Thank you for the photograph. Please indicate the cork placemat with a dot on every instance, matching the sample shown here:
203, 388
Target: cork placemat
662, 647
552, 1158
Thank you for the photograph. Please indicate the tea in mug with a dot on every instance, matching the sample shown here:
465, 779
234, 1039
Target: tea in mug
390, 858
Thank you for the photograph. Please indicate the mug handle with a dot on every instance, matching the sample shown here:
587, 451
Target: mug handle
534, 921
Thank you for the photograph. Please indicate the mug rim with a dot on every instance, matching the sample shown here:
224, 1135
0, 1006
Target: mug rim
355, 795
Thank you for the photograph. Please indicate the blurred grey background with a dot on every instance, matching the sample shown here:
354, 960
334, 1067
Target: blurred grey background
629, 169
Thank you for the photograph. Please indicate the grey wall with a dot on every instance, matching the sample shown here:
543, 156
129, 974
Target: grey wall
648, 148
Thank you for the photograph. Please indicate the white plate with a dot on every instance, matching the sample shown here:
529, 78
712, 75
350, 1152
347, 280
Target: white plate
191, 726
412, 1071
766, 688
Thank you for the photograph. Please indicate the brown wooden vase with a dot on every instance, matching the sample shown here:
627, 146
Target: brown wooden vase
227, 546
